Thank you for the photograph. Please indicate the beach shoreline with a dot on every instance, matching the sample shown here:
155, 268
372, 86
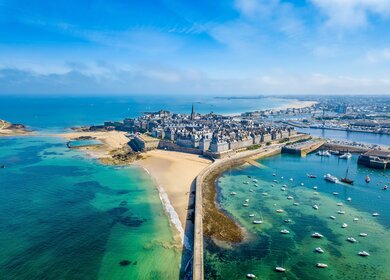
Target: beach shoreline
8, 129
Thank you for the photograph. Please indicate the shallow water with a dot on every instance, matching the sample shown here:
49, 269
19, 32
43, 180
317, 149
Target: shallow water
268, 248
64, 216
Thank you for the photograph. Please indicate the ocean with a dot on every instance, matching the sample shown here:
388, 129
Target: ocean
66, 216
267, 248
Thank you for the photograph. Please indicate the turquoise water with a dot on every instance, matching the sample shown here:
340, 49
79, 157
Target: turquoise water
267, 248
65, 216
68, 217
83, 143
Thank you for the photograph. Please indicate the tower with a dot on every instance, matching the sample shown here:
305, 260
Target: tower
192, 112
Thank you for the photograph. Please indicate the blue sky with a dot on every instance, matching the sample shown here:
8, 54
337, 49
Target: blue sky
218, 47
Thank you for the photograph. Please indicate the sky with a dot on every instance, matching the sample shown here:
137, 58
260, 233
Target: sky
211, 47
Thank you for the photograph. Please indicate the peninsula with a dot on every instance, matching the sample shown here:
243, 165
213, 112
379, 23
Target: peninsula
10, 129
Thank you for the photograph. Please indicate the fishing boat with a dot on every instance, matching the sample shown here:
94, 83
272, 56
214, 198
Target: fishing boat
284, 231
331, 178
362, 234
317, 235
319, 250
345, 156
257, 222
351, 239
322, 265
346, 179
368, 179
363, 254
280, 269
250, 276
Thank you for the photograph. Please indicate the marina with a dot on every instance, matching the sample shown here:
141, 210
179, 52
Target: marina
333, 248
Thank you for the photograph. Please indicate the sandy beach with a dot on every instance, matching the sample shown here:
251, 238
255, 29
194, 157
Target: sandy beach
174, 173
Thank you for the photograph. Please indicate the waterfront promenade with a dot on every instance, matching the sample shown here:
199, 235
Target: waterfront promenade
198, 257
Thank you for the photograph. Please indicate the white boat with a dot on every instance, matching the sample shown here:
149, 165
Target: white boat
296, 203
356, 219
264, 193
340, 212
233, 193
245, 204
363, 254
290, 197
333, 217
375, 214
275, 181
274, 174
362, 234
282, 177
250, 190
251, 215
257, 222
340, 204
317, 235
284, 231
250, 276
291, 179
254, 180
322, 265
287, 221
315, 206
344, 225
246, 183
345, 156
349, 199
247, 200
280, 269
280, 211
283, 189
284, 186
319, 250
256, 185
302, 184
351, 239
315, 187
335, 193
323, 153
331, 178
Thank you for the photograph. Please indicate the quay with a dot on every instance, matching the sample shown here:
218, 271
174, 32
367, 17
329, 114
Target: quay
303, 148
198, 254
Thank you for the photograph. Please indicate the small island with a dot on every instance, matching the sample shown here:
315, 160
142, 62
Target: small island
10, 129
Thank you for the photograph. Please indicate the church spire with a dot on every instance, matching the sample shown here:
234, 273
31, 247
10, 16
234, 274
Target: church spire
192, 112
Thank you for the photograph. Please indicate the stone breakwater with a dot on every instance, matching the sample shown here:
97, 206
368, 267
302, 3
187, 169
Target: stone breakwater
210, 220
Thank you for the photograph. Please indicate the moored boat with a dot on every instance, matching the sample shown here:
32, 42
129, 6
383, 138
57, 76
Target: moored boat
344, 225
362, 234
317, 235
233, 193
364, 254
284, 231
280, 211
250, 276
351, 239
322, 265
319, 250
315, 206
345, 156
331, 178
375, 214
333, 217
257, 222
368, 179
280, 269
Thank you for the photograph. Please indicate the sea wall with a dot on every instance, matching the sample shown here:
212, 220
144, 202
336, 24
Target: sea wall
170, 146
219, 165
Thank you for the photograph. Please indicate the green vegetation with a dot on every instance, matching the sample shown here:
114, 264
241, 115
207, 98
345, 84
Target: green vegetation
253, 147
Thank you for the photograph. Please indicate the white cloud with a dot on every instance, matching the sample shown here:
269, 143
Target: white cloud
378, 56
351, 13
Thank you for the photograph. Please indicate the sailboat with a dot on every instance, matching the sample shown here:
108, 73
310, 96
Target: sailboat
346, 179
